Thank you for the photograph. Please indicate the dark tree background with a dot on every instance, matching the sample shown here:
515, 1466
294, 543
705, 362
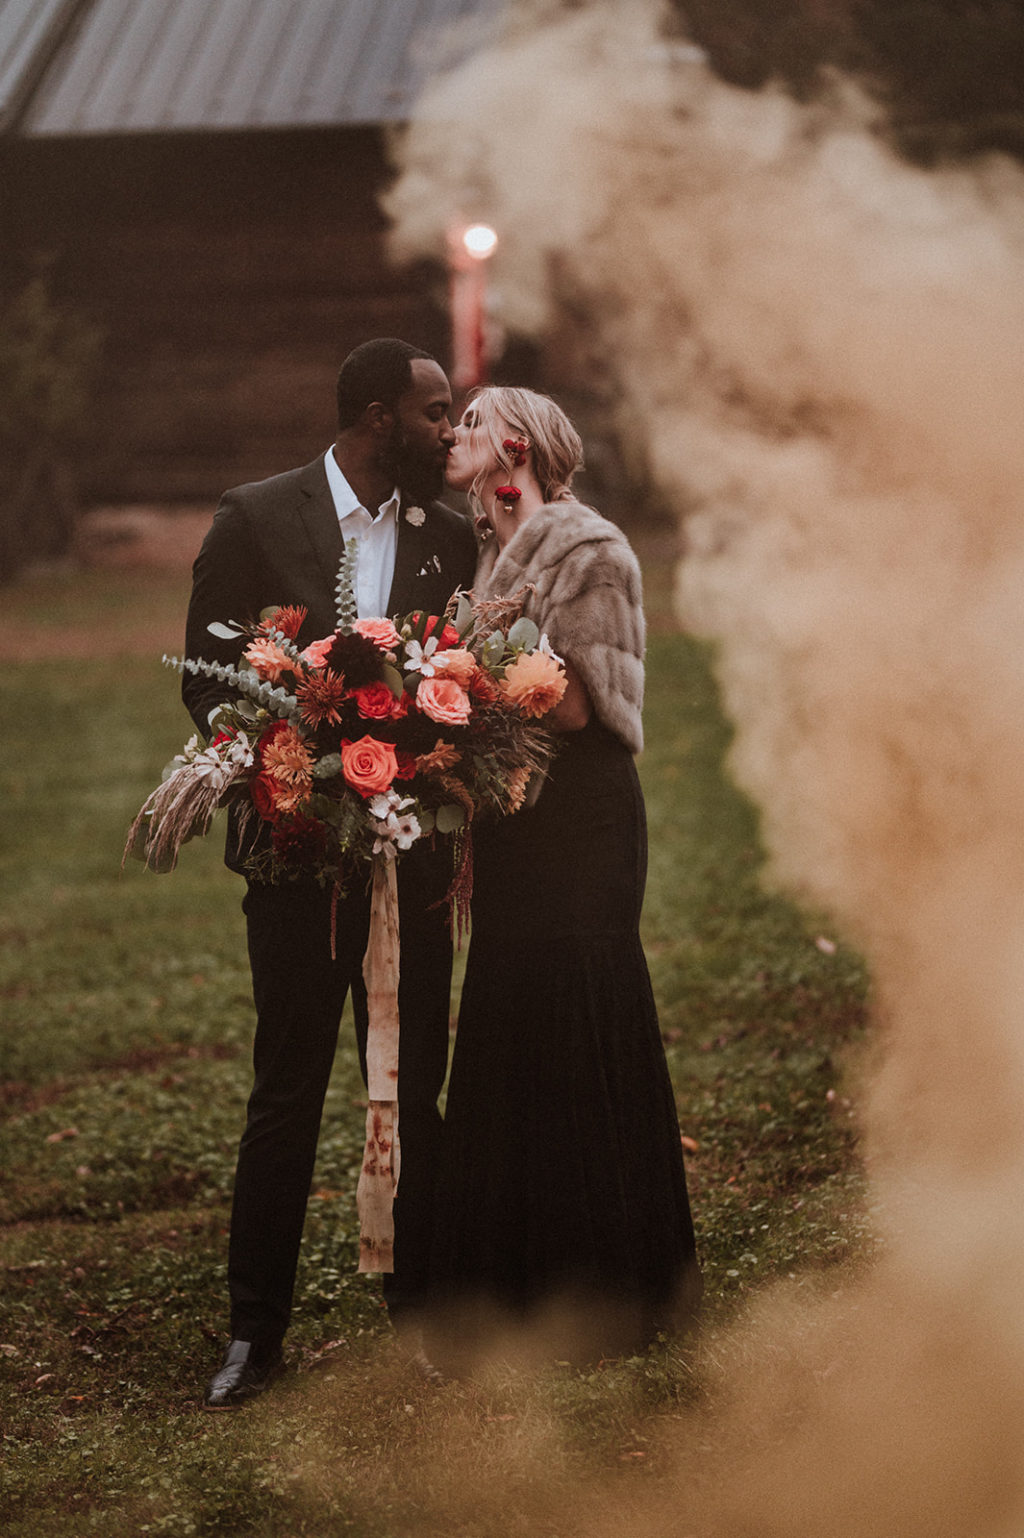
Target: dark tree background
199, 335
949, 72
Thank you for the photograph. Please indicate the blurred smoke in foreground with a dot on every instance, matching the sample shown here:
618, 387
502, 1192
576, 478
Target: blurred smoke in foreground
821, 349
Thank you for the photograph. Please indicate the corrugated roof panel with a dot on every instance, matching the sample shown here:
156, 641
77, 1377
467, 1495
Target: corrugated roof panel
385, 46
139, 66
239, 69
292, 93
118, 71
27, 30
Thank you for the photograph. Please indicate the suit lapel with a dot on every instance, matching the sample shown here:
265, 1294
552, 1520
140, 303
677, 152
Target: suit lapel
419, 581
415, 557
320, 520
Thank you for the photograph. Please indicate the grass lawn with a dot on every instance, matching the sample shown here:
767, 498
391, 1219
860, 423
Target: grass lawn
124, 1059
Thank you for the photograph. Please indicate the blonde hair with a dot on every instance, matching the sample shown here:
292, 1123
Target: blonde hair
504, 411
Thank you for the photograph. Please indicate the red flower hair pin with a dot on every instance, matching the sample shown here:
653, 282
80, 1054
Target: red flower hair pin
517, 449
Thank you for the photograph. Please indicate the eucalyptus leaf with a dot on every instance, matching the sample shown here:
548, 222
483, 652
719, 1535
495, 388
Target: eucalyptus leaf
225, 632
344, 591
427, 821
327, 809
393, 678
493, 648
524, 634
448, 818
327, 767
217, 724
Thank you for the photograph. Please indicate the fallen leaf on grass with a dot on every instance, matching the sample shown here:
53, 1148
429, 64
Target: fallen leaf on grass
319, 1357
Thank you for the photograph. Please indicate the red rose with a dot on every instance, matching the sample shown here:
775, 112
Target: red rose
375, 701
406, 765
369, 766
262, 791
447, 635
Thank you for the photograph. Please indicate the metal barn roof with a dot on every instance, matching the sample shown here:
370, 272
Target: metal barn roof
74, 67
29, 32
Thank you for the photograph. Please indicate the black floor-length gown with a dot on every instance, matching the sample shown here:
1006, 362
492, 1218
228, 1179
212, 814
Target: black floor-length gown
562, 1175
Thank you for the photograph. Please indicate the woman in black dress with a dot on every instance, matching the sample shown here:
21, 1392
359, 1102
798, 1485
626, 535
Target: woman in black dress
562, 1195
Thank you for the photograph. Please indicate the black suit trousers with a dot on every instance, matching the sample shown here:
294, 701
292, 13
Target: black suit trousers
299, 993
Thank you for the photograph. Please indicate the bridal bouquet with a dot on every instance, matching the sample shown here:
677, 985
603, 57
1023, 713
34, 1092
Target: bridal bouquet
347, 752
363, 742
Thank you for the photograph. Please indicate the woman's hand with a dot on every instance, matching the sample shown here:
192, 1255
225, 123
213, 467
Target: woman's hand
573, 710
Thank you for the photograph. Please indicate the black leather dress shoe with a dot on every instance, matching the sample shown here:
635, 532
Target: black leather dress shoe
244, 1373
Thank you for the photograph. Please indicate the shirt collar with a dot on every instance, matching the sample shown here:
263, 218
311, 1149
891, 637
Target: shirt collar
345, 499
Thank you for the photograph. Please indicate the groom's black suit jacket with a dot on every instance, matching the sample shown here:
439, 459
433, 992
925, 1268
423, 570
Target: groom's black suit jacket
279, 542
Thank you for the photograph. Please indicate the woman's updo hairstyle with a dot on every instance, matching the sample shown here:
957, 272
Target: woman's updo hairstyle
503, 411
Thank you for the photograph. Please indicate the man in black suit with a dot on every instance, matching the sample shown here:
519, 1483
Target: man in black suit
281, 541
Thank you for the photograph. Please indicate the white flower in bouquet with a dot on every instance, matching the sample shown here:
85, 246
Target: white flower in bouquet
419, 656
394, 831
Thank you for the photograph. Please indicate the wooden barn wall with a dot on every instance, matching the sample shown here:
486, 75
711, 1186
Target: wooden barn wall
230, 274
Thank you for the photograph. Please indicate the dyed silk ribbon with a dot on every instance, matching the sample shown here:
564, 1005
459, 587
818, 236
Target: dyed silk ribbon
378, 1178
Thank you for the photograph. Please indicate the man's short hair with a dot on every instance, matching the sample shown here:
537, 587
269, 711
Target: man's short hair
380, 370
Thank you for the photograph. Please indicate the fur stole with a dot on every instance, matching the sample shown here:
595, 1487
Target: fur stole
586, 597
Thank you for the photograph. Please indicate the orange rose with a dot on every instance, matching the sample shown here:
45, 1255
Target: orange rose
380, 631
316, 652
443, 701
534, 683
456, 663
369, 766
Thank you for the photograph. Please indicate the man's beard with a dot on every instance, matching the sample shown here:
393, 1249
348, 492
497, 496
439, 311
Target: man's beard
418, 477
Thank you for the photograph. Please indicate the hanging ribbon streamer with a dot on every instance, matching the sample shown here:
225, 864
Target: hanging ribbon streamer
378, 1178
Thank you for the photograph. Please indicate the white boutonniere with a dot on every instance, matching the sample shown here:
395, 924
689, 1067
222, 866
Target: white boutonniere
416, 516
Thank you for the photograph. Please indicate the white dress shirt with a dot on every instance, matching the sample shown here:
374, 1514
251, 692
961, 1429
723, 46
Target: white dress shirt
377, 535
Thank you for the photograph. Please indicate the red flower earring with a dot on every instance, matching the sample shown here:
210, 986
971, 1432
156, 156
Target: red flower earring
508, 496
517, 450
